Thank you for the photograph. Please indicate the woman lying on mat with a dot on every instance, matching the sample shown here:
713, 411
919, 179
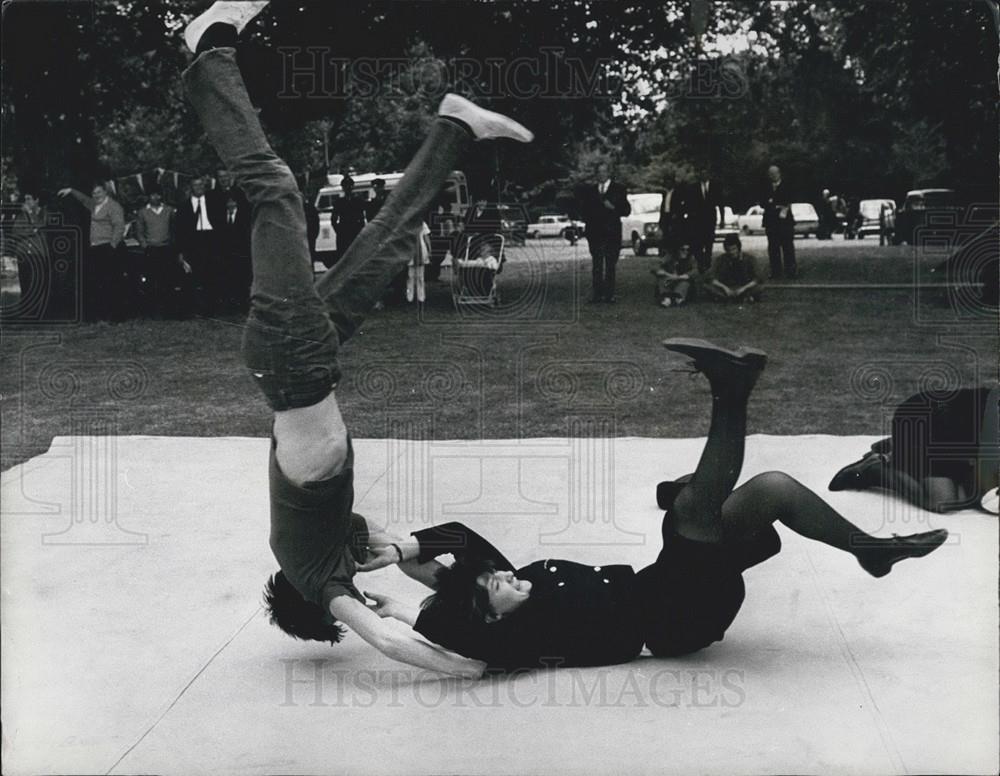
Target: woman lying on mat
943, 454
556, 612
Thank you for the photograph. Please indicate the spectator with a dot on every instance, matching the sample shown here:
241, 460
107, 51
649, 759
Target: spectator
379, 196
603, 205
675, 277
161, 267
671, 209
779, 226
735, 276
199, 245
350, 216
103, 270
826, 216
225, 190
702, 213
25, 228
236, 270
886, 223
445, 235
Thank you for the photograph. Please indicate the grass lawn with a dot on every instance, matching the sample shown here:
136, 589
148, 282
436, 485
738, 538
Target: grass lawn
544, 363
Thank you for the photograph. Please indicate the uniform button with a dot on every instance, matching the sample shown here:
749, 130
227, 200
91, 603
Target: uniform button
597, 568
605, 581
560, 584
552, 568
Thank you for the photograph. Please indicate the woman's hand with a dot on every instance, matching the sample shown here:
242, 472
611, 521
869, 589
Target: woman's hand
384, 606
380, 556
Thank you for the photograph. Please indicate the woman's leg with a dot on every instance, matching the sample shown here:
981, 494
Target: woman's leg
776, 496
697, 510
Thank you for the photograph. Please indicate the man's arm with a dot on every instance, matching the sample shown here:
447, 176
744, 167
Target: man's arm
396, 641
79, 196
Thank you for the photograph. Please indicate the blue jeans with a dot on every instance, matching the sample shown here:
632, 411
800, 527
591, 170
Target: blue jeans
296, 324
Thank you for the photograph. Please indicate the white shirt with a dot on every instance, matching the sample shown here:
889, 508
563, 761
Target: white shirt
156, 210
666, 200
201, 210
604, 186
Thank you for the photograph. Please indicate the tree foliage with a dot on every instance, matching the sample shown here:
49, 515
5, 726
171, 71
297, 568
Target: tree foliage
868, 96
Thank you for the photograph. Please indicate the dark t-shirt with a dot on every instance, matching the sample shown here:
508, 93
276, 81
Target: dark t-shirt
315, 537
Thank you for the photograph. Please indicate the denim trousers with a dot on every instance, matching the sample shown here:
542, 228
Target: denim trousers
296, 323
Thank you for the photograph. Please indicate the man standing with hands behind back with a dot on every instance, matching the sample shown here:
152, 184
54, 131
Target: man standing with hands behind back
779, 225
603, 205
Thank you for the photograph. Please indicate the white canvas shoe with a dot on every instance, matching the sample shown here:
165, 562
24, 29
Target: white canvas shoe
485, 124
232, 12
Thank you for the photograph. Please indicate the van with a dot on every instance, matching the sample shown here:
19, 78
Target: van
455, 185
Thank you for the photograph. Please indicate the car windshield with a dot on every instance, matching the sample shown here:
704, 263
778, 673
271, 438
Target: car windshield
871, 208
645, 203
938, 199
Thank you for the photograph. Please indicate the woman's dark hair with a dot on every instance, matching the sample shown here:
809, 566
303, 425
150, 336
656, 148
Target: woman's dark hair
459, 593
296, 616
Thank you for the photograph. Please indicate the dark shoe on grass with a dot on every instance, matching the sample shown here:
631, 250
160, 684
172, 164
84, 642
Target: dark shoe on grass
878, 561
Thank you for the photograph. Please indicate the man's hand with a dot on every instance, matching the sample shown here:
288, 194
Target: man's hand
609, 205
184, 265
65, 192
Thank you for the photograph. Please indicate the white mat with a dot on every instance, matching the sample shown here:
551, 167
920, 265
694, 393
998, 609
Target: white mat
133, 640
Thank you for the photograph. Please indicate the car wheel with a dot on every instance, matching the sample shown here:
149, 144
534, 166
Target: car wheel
638, 247
745, 229
534, 235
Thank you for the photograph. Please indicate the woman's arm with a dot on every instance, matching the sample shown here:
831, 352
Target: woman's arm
394, 640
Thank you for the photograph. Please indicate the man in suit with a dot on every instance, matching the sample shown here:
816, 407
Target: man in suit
350, 215
603, 204
702, 213
670, 211
236, 272
199, 245
779, 225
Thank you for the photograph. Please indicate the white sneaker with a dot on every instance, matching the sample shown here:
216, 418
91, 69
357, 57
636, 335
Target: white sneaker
236, 13
485, 124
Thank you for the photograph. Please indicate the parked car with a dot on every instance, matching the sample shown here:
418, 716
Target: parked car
806, 218
869, 218
641, 228
805, 215
730, 224
919, 206
751, 222
554, 226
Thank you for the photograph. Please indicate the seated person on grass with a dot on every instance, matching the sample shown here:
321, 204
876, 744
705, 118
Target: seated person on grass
735, 276
675, 277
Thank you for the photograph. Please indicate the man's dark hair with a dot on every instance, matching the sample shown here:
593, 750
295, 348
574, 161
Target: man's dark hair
299, 618
459, 593
731, 239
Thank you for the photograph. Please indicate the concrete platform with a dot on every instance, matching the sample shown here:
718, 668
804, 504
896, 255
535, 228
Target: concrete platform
134, 640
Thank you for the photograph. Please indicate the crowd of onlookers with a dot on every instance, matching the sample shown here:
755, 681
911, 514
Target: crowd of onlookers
166, 259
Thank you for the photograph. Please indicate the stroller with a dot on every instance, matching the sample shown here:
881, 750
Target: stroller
474, 276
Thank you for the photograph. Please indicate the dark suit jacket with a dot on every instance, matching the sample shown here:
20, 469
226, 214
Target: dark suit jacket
671, 220
773, 200
702, 213
217, 199
576, 615
601, 222
186, 223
